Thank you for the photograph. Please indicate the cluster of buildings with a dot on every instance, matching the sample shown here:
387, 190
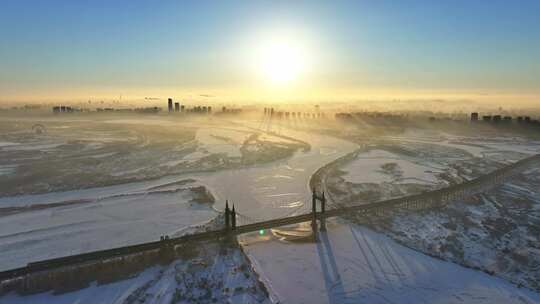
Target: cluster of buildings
172, 107
370, 117
294, 115
146, 110
199, 109
177, 107
225, 110
67, 109
475, 117
64, 109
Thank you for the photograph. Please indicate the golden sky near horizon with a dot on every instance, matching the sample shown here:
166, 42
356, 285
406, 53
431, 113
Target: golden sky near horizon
242, 52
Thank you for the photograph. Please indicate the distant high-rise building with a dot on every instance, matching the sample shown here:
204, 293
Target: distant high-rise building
474, 116
170, 105
177, 107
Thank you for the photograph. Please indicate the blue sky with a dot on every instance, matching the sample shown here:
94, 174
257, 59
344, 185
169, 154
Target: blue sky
53, 46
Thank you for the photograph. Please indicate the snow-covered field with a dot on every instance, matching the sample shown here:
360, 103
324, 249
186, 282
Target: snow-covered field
378, 166
98, 218
352, 264
477, 146
86, 154
497, 232
97, 222
216, 274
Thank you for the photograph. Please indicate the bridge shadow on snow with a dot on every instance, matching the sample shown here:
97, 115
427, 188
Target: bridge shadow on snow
386, 270
332, 278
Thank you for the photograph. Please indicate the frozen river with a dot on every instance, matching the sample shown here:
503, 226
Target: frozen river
353, 264
278, 189
134, 213
349, 265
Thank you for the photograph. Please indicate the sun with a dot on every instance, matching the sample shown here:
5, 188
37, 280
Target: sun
281, 62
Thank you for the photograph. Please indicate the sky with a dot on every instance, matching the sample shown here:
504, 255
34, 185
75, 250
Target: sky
67, 49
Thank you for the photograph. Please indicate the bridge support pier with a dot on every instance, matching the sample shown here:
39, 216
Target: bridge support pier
166, 250
26, 284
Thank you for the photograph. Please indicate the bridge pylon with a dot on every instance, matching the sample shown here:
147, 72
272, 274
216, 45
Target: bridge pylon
314, 214
233, 218
227, 215
322, 217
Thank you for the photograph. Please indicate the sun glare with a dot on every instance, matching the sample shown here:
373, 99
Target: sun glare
281, 62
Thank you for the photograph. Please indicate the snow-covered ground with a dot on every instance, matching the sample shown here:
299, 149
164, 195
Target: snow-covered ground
222, 141
352, 264
136, 212
420, 160
348, 265
496, 232
477, 146
214, 275
98, 222
378, 166
79, 155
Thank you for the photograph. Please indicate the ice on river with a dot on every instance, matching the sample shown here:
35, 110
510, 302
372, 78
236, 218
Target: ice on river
125, 214
280, 188
228, 141
352, 264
